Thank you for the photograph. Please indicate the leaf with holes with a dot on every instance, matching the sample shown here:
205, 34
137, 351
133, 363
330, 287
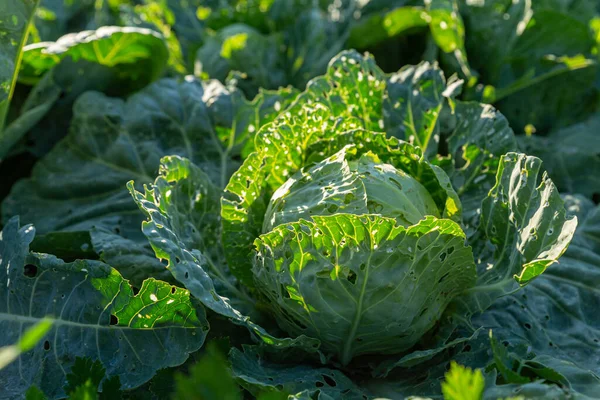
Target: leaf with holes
523, 230
94, 313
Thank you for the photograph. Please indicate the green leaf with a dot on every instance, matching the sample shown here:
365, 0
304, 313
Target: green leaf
112, 142
57, 69
257, 374
539, 64
187, 197
66, 245
313, 39
554, 319
136, 51
378, 27
15, 17
239, 47
188, 250
343, 278
210, 378
570, 156
463, 384
448, 31
478, 135
37, 105
413, 102
94, 313
524, 229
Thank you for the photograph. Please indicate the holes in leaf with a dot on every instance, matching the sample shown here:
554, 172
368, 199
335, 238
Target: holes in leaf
117, 230
328, 380
319, 384
467, 348
288, 254
596, 198
550, 344
374, 207
442, 258
527, 326
332, 208
351, 277
46, 345
114, 320
173, 289
30, 270
396, 183
450, 250
363, 266
135, 290
177, 260
505, 343
443, 277
186, 275
348, 198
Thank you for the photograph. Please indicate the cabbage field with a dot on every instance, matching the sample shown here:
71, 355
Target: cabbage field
299, 199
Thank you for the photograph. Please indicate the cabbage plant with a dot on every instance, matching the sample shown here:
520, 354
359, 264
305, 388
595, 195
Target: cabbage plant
372, 222
365, 232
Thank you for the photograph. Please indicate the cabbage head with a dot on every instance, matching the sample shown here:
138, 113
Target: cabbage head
354, 253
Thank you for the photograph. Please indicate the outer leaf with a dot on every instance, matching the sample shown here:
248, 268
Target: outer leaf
344, 278
570, 156
539, 63
187, 197
110, 46
15, 17
191, 267
378, 27
555, 318
94, 313
413, 102
526, 230
478, 136
257, 374
112, 142
113, 60
314, 39
448, 30
239, 47
37, 105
